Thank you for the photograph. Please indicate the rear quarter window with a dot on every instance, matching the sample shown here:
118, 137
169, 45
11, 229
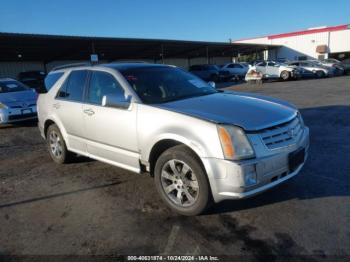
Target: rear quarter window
51, 79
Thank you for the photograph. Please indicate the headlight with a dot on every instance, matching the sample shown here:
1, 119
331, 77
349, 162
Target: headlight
234, 143
2, 106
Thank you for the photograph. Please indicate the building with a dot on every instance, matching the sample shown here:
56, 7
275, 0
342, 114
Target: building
313, 43
29, 52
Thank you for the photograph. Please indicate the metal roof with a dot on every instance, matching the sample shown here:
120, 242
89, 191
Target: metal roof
47, 48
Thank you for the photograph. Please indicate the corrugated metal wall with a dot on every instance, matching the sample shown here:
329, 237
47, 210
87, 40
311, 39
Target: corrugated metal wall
12, 69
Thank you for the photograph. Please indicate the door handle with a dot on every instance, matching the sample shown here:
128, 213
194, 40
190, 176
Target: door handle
56, 105
89, 112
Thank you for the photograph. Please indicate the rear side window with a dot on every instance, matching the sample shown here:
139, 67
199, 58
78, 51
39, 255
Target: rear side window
51, 79
73, 87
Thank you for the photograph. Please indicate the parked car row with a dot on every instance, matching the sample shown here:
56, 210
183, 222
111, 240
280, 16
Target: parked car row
284, 70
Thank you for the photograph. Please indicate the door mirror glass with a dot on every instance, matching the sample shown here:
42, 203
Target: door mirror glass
116, 101
212, 84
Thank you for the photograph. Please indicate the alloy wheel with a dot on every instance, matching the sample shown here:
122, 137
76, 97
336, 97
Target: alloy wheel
55, 144
179, 183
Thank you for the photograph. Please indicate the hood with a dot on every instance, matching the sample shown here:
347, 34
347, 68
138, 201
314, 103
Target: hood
249, 111
15, 98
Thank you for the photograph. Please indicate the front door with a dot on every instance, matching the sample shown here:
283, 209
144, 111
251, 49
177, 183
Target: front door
110, 132
272, 69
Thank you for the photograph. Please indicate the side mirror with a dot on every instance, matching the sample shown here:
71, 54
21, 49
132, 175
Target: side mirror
212, 84
116, 101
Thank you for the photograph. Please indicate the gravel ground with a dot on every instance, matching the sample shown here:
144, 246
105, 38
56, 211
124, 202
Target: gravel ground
89, 207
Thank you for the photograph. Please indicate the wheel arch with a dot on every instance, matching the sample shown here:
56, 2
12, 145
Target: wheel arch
164, 144
51, 121
48, 123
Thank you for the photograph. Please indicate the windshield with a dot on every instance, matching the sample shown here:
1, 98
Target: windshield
163, 84
12, 86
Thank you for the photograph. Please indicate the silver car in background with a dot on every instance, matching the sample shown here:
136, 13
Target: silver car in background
17, 101
199, 144
311, 69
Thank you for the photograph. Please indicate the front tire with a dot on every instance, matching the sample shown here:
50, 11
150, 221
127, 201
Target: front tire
285, 75
56, 145
181, 181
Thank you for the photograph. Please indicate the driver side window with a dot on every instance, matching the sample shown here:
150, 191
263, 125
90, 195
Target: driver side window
101, 84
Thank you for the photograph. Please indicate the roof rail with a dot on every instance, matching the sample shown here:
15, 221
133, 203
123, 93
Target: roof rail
70, 65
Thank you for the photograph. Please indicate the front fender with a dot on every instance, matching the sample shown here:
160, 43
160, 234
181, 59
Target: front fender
156, 124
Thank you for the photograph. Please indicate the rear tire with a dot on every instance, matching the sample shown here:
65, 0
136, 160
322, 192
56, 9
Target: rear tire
285, 75
57, 146
181, 181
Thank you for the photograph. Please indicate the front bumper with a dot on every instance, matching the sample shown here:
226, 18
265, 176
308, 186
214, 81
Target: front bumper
12, 115
227, 178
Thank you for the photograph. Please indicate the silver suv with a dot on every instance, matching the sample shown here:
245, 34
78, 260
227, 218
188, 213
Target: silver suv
199, 144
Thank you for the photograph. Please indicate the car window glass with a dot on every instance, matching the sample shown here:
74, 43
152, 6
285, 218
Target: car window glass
271, 64
101, 84
261, 64
73, 87
51, 79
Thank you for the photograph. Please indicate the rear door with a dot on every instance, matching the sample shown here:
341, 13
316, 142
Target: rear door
68, 107
110, 132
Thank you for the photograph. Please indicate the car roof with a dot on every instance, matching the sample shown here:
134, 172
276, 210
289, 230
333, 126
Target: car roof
116, 66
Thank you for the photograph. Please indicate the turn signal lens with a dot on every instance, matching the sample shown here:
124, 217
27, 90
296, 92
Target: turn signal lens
226, 143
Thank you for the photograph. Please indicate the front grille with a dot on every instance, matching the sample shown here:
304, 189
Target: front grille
17, 117
282, 135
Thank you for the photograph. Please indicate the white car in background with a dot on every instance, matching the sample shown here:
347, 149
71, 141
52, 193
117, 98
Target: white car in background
311, 69
271, 69
233, 70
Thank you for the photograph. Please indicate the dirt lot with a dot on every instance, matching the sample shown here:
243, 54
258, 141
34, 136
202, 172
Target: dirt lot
89, 207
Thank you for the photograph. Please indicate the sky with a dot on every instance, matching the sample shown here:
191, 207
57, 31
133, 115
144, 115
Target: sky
203, 20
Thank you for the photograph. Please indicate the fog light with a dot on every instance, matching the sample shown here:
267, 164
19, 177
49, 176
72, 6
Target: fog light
250, 179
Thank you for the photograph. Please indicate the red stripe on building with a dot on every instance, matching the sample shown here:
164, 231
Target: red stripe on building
311, 31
